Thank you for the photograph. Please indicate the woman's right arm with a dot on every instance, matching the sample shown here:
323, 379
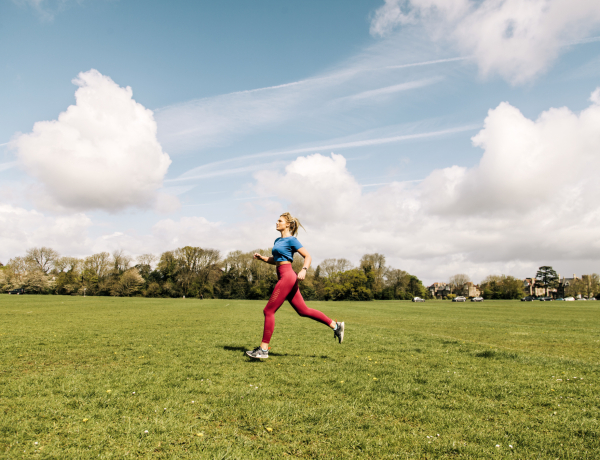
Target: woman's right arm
268, 260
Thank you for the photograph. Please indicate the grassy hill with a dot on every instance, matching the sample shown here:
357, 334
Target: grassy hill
102, 377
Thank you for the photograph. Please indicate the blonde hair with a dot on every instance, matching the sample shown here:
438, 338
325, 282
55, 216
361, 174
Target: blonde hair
294, 223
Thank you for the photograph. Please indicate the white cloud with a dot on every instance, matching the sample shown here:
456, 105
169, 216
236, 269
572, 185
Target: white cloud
534, 197
516, 39
21, 229
101, 153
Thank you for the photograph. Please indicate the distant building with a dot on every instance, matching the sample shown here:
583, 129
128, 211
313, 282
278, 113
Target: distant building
563, 284
439, 290
470, 290
532, 289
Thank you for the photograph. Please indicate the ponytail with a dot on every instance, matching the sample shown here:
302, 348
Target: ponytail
294, 223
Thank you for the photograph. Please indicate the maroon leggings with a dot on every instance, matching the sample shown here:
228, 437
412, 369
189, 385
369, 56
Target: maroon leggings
287, 288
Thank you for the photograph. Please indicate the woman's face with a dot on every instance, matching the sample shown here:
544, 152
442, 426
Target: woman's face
282, 224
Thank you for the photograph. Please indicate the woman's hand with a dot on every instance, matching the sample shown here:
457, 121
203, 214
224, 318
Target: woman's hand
258, 256
301, 275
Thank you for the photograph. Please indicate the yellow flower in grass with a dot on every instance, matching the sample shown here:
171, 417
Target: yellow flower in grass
199, 434
85, 419
374, 378
269, 429
109, 391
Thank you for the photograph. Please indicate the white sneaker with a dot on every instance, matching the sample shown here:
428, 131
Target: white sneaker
339, 332
258, 353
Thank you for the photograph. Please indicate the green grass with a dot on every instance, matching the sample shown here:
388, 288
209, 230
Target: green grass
86, 377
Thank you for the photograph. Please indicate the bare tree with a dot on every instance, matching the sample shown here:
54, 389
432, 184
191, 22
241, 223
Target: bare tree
328, 268
261, 270
43, 258
590, 284
121, 261
97, 265
147, 259
458, 281
331, 268
343, 265
67, 264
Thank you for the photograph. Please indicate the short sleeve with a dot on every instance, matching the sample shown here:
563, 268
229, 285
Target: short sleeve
295, 244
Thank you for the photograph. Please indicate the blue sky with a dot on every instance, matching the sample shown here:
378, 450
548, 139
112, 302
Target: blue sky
360, 117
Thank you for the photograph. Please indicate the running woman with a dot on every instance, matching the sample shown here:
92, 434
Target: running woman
287, 286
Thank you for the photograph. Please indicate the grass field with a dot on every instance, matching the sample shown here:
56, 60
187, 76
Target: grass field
166, 378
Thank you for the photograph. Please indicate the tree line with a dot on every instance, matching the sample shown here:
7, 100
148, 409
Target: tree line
204, 273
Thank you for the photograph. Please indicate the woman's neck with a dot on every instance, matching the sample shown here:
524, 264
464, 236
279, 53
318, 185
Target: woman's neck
285, 233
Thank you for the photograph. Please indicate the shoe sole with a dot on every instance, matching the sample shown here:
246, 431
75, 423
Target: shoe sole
256, 357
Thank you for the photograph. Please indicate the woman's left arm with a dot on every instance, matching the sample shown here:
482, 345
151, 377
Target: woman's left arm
307, 260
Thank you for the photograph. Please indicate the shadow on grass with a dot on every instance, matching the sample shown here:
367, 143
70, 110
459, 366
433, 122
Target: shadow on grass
244, 349
271, 353
496, 354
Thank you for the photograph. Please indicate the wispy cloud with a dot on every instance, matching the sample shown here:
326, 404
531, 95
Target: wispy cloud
433, 62
583, 41
394, 89
5, 166
226, 168
221, 120
211, 170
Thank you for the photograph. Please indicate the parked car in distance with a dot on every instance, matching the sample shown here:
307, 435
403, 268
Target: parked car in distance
569, 299
17, 291
560, 299
545, 299
418, 299
459, 299
529, 298
583, 298
477, 299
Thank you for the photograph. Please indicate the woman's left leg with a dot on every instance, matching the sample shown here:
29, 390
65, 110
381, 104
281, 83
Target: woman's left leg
296, 300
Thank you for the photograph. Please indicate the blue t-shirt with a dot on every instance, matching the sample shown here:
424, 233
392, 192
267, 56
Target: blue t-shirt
284, 248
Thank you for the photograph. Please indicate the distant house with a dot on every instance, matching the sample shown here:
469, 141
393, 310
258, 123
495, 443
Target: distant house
439, 290
470, 290
564, 283
532, 289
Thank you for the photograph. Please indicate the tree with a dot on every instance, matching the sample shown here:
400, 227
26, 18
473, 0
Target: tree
588, 285
375, 264
458, 281
351, 286
67, 275
546, 277
95, 271
395, 284
331, 268
146, 259
129, 283
97, 265
43, 258
415, 287
502, 287
120, 262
